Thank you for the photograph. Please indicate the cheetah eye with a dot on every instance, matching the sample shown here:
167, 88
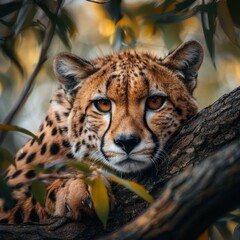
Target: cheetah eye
155, 102
102, 105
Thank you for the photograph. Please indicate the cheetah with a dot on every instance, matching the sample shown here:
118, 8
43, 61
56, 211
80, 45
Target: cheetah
120, 110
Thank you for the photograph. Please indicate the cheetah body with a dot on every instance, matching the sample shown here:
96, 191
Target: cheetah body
120, 110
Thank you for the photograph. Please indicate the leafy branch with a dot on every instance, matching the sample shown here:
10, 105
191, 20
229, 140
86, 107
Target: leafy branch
92, 176
53, 21
95, 179
171, 11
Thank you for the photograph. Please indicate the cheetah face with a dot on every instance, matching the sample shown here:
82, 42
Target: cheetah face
130, 140
126, 106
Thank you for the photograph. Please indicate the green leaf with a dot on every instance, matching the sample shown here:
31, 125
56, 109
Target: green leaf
227, 23
132, 186
223, 230
83, 167
184, 5
233, 7
118, 39
181, 11
39, 192
102, 166
7, 24
208, 16
7, 49
69, 23
174, 18
231, 217
89, 161
6, 193
100, 199
114, 10
65, 28
212, 233
62, 26
38, 168
8, 8
166, 4
7, 156
6, 127
25, 17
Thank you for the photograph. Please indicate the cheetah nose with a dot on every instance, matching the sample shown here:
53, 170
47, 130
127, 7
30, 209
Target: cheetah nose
127, 142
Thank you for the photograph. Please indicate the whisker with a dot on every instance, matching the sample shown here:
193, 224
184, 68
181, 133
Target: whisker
163, 159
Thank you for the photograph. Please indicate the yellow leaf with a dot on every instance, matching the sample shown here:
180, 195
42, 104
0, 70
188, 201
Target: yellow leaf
203, 236
132, 186
100, 199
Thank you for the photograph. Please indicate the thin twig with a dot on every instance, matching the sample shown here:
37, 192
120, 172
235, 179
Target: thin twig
28, 87
54, 176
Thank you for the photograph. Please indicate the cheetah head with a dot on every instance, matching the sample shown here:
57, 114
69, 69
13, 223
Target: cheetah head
126, 106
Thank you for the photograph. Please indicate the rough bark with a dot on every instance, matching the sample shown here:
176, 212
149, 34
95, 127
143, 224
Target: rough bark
191, 201
187, 202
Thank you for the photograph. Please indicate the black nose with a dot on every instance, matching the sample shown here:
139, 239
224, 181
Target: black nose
127, 142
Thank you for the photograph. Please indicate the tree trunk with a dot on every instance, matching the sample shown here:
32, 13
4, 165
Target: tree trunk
186, 203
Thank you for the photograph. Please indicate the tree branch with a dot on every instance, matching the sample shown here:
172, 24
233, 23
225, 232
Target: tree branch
42, 58
191, 201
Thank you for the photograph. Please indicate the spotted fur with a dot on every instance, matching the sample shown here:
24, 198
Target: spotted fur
129, 137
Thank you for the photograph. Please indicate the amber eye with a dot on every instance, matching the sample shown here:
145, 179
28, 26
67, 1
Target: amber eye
155, 102
102, 105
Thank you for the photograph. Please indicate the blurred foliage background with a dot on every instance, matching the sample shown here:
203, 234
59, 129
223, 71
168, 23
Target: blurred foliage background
94, 28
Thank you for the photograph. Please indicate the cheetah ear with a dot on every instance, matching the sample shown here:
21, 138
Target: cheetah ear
70, 70
186, 59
